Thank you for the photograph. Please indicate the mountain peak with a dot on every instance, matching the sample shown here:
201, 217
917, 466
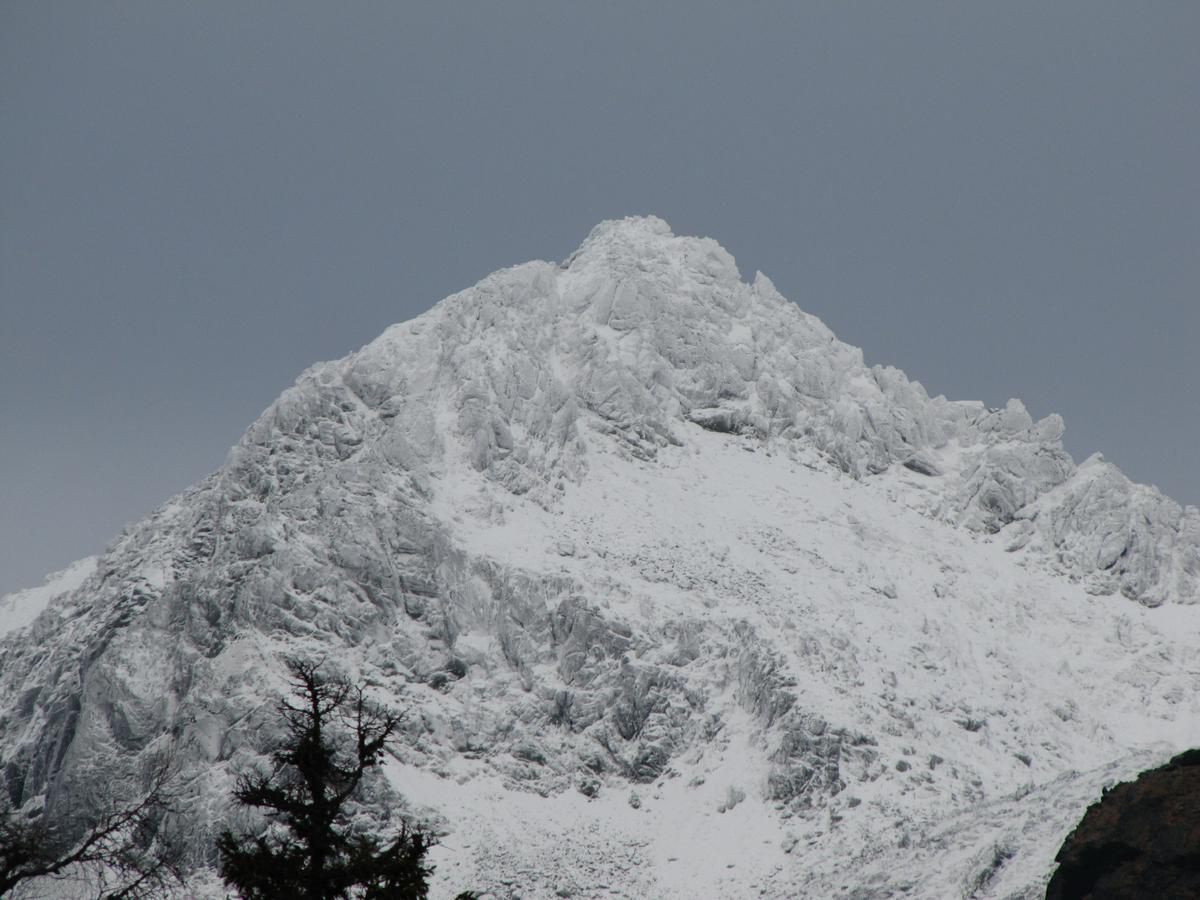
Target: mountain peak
630, 228
646, 245
641, 335
643, 551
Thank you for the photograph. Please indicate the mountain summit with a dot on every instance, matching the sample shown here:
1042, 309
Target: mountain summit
681, 599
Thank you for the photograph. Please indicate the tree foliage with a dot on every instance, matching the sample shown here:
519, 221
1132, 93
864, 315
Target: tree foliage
116, 848
309, 851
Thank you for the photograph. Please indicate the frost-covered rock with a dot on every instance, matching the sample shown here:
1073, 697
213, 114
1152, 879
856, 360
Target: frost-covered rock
631, 522
1128, 535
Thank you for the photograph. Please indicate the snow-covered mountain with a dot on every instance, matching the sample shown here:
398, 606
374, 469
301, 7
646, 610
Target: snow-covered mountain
681, 598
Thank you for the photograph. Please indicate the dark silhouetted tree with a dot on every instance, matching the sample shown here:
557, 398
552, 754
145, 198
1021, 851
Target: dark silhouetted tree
309, 852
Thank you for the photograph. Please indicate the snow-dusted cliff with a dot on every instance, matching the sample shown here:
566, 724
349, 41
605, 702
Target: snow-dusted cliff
681, 597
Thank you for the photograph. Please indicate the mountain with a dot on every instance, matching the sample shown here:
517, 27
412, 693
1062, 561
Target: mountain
679, 596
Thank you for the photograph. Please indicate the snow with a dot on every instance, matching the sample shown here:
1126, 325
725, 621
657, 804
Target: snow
630, 526
886, 616
678, 840
19, 609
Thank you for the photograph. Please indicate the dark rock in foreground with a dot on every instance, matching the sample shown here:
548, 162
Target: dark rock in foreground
1142, 839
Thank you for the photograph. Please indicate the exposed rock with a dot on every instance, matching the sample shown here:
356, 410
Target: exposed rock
1142, 839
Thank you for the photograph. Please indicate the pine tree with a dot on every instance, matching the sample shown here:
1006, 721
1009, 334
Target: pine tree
334, 735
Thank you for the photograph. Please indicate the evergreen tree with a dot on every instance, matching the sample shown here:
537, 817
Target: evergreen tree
334, 735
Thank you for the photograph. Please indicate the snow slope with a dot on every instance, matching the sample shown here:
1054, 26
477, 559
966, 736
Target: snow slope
20, 608
681, 598
980, 678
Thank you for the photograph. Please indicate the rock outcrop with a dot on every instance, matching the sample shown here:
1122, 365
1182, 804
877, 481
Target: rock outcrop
1142, 839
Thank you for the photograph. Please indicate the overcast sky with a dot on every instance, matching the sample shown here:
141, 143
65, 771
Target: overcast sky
198, 200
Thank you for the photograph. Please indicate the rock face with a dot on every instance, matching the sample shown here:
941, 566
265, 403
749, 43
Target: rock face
631, 525
1141, 840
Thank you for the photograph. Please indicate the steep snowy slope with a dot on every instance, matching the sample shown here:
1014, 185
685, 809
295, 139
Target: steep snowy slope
20, 608
681, 597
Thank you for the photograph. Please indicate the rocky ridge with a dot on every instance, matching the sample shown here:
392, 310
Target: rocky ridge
630, 525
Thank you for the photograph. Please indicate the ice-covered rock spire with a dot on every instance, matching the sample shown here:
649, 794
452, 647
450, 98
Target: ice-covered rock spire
641, 334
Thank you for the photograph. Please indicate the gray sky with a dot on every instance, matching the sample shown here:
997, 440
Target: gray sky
197, 200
